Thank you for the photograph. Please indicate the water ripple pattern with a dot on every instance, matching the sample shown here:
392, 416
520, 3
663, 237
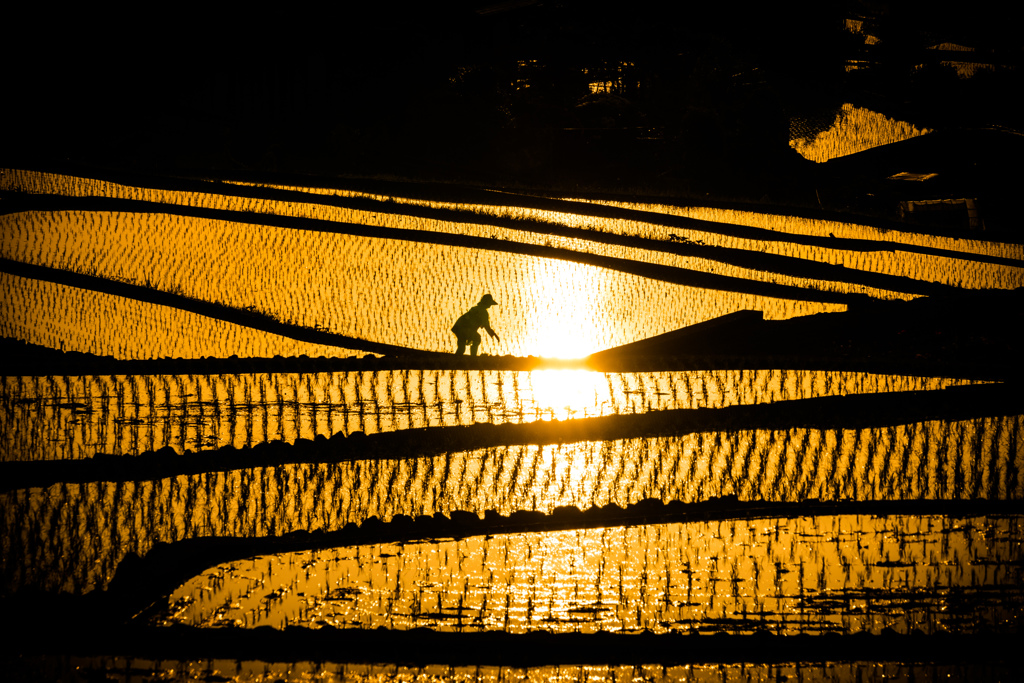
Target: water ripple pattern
571, 276
830, 575
55, 418
71, 536
408, 292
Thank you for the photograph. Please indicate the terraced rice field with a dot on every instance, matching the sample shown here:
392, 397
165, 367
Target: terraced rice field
106, 267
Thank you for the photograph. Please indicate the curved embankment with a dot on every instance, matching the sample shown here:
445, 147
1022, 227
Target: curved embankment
784, 265
251, 319
141, 585
971, 334
260, 188
846, 412
90, 632
141, 580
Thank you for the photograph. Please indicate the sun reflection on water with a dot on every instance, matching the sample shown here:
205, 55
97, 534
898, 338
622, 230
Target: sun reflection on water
60, 417
559, 328
568, 392
839, 574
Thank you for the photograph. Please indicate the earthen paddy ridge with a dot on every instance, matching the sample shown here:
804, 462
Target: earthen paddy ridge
116, 537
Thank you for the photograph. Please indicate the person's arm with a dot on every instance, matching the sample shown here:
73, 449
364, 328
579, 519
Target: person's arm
485, 322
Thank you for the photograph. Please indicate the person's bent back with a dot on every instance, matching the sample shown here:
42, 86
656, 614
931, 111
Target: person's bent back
467, 326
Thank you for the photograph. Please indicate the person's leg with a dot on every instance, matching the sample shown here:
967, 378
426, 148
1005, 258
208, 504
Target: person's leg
462, 344
474, 343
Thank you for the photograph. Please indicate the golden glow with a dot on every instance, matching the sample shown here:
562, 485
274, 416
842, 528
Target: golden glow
74, 319
809, 575
855, 130
570, 297
209, 411
689, 578
569, 393
938, 269
548, 307
934, 460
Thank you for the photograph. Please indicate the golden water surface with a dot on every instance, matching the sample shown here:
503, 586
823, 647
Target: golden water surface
407, 291
838, 574
71, 536
832, 573
44, 418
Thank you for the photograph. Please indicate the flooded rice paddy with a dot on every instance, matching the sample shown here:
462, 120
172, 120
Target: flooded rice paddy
79, 417
839, 574
854, 129
571, 277
330, 270
71, 537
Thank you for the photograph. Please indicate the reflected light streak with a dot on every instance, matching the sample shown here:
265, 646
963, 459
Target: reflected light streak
838, 574
568, 392
562, 326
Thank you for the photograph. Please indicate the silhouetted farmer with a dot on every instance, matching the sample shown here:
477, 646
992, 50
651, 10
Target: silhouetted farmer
466, 326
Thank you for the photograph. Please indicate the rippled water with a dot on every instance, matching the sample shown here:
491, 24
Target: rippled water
855, 129
357, 288
835, 574
73, 319
405, 290
44, 418
71, 536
